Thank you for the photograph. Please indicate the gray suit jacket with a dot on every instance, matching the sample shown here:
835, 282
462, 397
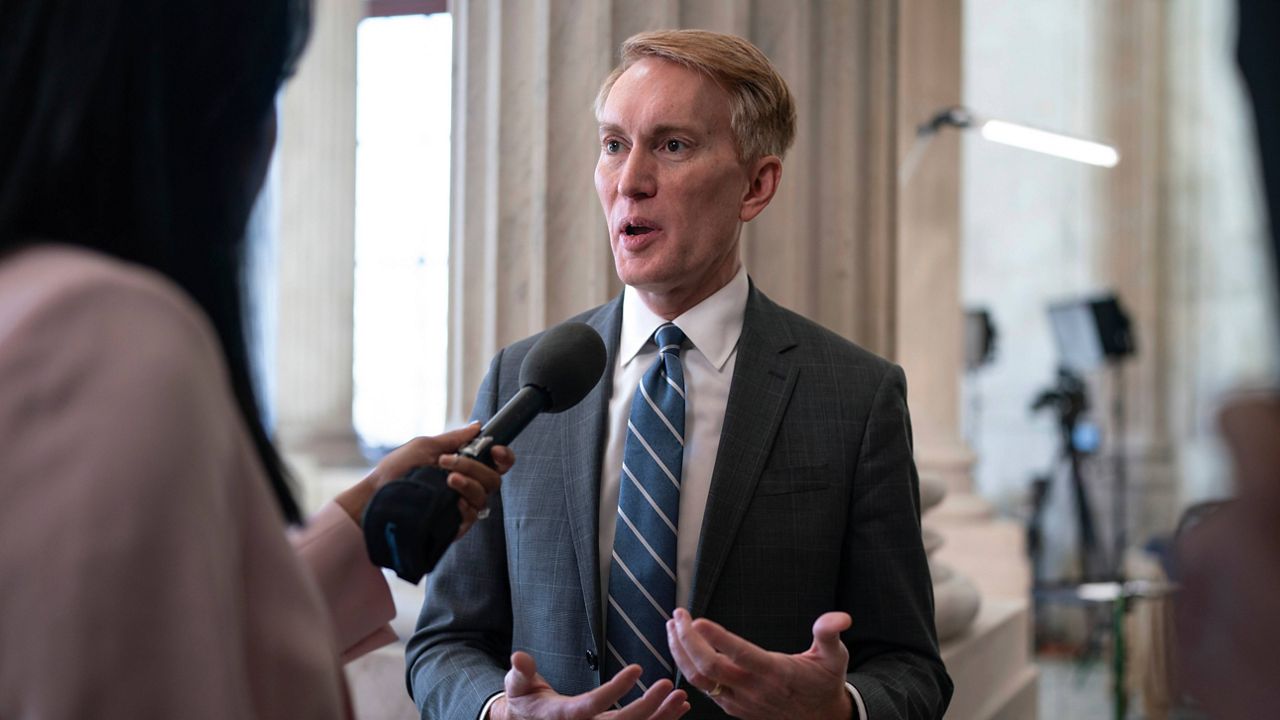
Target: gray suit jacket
813, 506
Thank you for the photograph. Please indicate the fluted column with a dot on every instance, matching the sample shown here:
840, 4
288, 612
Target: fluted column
1132, 260
317, 241
825, 246
528, 243
1219, 320
929, 315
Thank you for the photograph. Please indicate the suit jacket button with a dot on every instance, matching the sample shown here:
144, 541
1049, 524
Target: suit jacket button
593, 662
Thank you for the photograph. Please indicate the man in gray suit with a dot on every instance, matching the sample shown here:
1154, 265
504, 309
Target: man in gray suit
737, 464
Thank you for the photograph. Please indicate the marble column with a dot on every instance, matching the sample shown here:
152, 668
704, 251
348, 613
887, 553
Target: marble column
1219, 319
979, 572
969, 550
928, 313
1133, 260
316, 253
826, 247
528, 243
956, 599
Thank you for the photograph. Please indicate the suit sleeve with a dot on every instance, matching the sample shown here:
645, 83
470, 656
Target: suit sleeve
893, 644
459, 653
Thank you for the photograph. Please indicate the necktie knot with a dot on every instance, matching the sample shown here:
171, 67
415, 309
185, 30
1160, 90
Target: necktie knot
669, 339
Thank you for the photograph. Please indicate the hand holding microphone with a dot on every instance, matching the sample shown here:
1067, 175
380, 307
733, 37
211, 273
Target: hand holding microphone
470, 478
410, 521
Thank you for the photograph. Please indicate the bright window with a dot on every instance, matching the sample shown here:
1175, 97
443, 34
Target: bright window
403, 90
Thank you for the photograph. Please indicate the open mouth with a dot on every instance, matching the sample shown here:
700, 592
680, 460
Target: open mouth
637, 229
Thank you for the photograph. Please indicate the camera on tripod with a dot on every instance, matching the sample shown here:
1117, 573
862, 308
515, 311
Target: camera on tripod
1067, 399
1089, 334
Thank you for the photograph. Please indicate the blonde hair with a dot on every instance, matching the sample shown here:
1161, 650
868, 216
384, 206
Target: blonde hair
762, 112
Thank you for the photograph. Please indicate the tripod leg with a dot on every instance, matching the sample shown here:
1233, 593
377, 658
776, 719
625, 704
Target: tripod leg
1090, 561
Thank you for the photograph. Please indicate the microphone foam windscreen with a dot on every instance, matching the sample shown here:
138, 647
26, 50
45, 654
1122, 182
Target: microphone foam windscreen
566, 362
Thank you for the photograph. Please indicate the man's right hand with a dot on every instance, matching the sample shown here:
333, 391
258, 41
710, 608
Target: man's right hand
530, 697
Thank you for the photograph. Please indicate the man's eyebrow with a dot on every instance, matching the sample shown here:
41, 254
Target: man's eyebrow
675, 130
657, 130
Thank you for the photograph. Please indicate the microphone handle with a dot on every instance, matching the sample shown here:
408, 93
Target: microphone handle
503, 427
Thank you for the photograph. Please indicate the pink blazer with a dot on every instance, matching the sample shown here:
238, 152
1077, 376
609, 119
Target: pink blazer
145, 570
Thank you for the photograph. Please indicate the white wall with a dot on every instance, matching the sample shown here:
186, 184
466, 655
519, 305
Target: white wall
1029, 221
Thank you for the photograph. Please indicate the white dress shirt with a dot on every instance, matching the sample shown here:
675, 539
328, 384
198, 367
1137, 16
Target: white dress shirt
712, 328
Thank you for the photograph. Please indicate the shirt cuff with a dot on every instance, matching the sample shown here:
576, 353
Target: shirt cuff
857, 700
484, 711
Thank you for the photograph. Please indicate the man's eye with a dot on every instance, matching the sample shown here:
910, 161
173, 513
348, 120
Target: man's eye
612, 146
675, 146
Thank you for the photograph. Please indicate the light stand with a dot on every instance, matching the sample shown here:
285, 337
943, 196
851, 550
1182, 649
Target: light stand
1092, 333
1120, 502
1088, 333
1069, 400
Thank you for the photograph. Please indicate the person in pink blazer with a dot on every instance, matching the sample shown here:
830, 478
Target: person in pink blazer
146, 569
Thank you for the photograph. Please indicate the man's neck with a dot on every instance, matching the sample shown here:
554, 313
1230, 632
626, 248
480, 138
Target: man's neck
673, 303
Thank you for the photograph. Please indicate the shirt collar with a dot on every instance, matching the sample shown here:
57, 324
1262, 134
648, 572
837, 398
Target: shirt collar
713, 326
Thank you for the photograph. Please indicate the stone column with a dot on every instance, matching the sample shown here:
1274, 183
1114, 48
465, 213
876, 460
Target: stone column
928, 312
826, 245
528, 246
528, 243
1132, 259
316, 254
1219, 319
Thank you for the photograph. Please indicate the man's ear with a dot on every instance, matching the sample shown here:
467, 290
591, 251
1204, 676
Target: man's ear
764, 174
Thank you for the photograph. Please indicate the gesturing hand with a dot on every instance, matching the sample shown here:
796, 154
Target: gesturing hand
530, 697
754, 684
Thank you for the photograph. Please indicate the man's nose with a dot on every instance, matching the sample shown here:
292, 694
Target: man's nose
637, 177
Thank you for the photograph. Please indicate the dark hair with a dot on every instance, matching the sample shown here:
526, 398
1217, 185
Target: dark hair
133, 127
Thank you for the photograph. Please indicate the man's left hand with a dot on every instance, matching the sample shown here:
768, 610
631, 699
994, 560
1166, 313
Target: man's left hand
752, 683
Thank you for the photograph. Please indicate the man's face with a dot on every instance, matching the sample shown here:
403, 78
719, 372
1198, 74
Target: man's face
670, 183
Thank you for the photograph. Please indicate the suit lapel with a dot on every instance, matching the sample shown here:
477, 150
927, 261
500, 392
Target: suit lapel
582, 443
763, 380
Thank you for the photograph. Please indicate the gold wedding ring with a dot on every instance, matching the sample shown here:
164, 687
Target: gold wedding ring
715, 691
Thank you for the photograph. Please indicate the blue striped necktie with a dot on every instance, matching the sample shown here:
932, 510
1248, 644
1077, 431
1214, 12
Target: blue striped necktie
642, 578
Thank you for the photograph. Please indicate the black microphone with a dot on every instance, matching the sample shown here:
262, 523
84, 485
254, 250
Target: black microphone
559, 370
411, 521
